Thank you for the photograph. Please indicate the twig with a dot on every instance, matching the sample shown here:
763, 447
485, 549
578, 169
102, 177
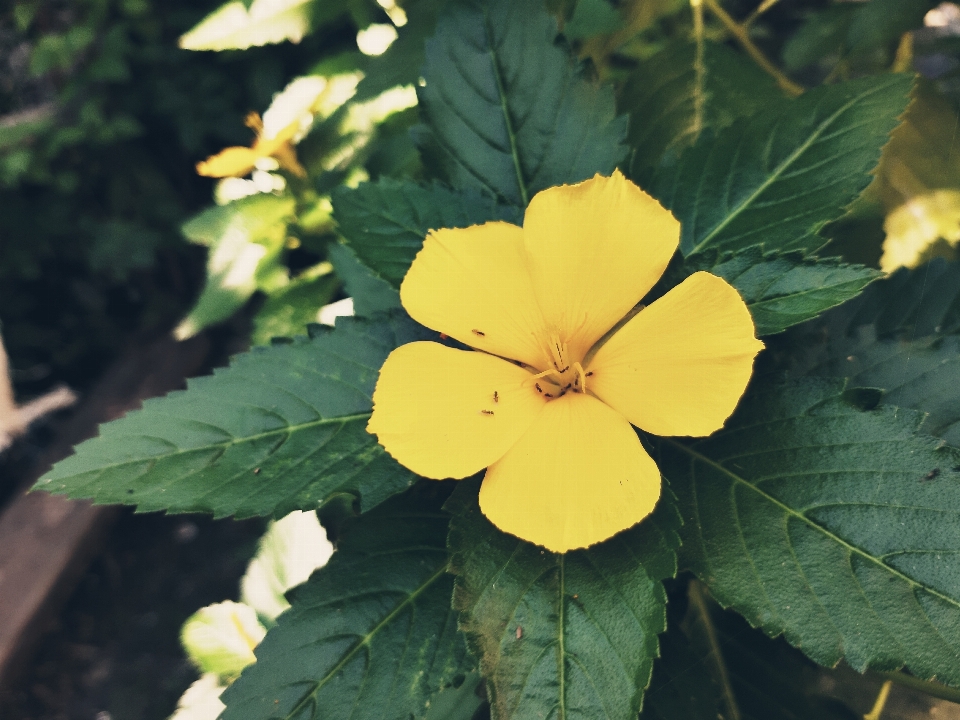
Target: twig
15, 420
740, 35
760, 10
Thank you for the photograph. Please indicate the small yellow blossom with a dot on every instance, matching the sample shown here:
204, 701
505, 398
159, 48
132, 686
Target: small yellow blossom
546, 401
240, 161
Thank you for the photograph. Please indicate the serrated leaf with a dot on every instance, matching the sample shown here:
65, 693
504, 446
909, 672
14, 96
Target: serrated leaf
401, 63
812, 518
236, 26
505, 109
565, 635
675, 96
888, 340
288, 311
291, 549
909, 303
281, 429
714, 665
385, 222
784, 289
371, 293
245, 239
778, 177
371, 634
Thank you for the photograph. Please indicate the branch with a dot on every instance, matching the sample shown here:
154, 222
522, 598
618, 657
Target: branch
15, 420
741, 36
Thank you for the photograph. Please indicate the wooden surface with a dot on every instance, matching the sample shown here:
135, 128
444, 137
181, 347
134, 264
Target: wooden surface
46, 541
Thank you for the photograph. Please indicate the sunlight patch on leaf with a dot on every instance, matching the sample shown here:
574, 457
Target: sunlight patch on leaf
234, 26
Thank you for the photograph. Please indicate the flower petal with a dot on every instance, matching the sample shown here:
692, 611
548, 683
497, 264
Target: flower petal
473, 284
229, 162
578, 476
450, 413
680, 365
595, 250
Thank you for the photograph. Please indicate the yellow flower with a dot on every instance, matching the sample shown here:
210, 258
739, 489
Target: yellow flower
544, 405
240, 161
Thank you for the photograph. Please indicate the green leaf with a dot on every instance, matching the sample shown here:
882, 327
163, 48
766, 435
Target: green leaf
281, 429
235, 26
813, 518
822, 34
371, 293
778, 177
673, 97
562, 635
371, 634
506, 110
713, 665
908, 303
784, 289
592, 17
292, 548
220, 638
385, 222
245, 239
401, 63
288, 311
898, 337
880, 23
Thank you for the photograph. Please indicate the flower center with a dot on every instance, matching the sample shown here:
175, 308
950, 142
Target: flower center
563, 374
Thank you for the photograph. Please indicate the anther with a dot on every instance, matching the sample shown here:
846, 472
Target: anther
539, 389
478, 332
547, 395
486, 412
496, 396
581, 376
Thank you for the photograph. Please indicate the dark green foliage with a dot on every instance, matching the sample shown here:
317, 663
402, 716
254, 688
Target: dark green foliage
505, 109
817, 519
776, 178
900, 336
854, 30
785, 289
385, 222
573, 635
283, 428
370, 292
713, 664
672, 100
371, 634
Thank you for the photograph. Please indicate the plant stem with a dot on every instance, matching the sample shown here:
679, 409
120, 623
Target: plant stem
933, 689
741, 36
761, 9
881, 702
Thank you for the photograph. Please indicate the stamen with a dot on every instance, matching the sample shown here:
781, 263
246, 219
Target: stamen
478, 332
486, 412
581, 376
496, 396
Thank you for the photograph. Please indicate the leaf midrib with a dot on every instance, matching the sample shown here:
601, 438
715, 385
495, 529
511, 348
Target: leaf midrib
853, 549
287, 430
409, 600
504, 108
778, 171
